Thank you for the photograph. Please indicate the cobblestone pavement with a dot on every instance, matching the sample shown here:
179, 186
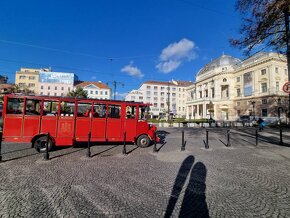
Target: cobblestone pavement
243, 180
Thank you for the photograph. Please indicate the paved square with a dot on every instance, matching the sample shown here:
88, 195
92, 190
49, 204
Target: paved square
243, 180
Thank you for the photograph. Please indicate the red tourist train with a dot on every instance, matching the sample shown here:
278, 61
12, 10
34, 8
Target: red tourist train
70, 120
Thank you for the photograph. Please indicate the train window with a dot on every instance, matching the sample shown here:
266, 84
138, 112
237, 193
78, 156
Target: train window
50, 108
131, 112
15, 106
114, 111
84, 109
32, 107
99, 110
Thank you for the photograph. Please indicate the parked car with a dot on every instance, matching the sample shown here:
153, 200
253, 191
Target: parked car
244, 118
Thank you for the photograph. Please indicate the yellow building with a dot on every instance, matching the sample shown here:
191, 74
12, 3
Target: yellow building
28, 78
227, 88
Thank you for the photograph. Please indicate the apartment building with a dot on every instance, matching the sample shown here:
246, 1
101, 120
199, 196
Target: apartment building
97, 90
56, 83
227, 88
27, 78
164, 96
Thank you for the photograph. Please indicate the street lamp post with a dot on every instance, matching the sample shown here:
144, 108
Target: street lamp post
254, 114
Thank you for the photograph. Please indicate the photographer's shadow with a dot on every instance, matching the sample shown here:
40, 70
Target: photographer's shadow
194, 200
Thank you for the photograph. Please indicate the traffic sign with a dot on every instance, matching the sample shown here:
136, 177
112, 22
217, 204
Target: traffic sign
286, 87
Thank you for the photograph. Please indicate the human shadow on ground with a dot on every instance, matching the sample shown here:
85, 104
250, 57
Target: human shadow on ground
180, 179
194, 200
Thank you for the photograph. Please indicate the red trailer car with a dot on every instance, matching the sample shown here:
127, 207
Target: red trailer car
70, 120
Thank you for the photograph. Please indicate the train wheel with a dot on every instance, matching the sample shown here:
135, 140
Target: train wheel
143, 141
40, 144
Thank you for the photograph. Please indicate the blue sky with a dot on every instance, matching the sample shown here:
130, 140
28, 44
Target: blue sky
128, 41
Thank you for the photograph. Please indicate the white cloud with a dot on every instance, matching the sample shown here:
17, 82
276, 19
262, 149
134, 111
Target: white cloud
168, 66
121, 95
132, 70
93, 78
175, 54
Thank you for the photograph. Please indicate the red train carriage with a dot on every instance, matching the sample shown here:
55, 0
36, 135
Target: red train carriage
69, 120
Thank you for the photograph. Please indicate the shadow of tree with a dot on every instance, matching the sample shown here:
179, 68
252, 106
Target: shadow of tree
194, 201
178, 184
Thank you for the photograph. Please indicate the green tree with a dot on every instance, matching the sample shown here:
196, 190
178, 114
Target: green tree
264, 25
79, 92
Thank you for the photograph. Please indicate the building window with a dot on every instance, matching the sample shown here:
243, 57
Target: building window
162, 105
31, 77
106, 92
41, 93
48, 87
277, 86
55, 88
212, 92
68, 89
148, 93
200, 94
155, 93
238, 92
263, 72
238, 103
96, 92
264, 112
22, 84
31, 85
48, 93
101, 92
264, 87
162, 88
155, 105
206, 93
155, 98
41, 87
264, 101
148, 87
239, 112
162, 93
276, 70
148, 98
132, 97
173, 94
54, 94
22, 77
62, 88
155, 87
61, 94
173, 89
224, 79
238, 79
92, 92
140, 97
285, 71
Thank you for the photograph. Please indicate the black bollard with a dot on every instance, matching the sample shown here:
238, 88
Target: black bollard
182, 141
1, 145
154, 147
281, 137
89, 145
206, 140
257, 137
124, 147
228, 138
46, 154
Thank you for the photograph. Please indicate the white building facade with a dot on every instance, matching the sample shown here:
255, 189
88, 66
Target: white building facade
165, 97
97, 90
227, 88
55, 83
